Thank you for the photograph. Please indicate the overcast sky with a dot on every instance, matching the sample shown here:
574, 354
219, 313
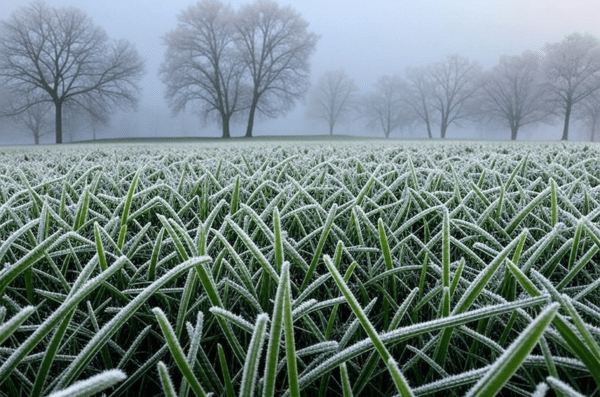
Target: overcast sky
367, 38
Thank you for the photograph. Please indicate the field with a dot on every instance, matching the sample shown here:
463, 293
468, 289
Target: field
318, 268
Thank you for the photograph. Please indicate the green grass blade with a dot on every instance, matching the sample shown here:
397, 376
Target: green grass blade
154, 257
9, 273
275, 333
14, 236
177, 352
485, 275
385, 248
278, 239
581, 326
100, 247
526, 210
252, 362
50, 355
553, 203
561, 387
92, 385
258, 255
446, 249
189, 289
457, 275
320, 245
165, 380
55, 318
121, 238
471, 294
235, 197
290, 345
401, 384
9, 327
575, 245
183, 254
346, 386
508, 363
101, 338
404, 333
129, 198
229, 390
82, 209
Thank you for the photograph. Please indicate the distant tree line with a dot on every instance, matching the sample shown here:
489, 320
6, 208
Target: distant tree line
560, 82
225, 64
231, 65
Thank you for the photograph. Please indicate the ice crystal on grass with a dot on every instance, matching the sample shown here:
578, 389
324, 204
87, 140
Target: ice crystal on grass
449, 250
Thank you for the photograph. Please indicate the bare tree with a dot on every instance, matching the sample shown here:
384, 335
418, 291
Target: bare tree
385, 107
572, 69
201, 64
420, 95
454, 82
275, 45
37, 120
589, 113
57, 55
513, 92
332, 98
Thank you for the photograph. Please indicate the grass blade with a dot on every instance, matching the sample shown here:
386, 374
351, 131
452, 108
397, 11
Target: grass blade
275, 333
252, 362
508, 363
92, 385
112, 326
177, 352
55, 318
9, 327
230, 392
320, 245
290, 347
346, 386
399, 380
165, 380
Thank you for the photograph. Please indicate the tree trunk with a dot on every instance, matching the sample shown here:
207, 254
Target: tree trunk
429, 128
225, 122
36, 137
251, 117
330, 128
565, 136
389, 126
443, 129
58, 121
513, 133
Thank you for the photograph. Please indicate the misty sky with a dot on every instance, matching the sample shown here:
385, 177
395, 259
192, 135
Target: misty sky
366, 38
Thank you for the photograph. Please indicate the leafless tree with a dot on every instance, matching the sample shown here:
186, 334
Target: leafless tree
275, 44
420, 95
454, 82
332, 98
572, 69
57, 55
589, 113
513, 92
202, 65
386, 106
37, 120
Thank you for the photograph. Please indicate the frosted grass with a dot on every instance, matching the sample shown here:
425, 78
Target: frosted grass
300, 268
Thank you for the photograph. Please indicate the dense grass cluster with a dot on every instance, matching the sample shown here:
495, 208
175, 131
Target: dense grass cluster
319, 268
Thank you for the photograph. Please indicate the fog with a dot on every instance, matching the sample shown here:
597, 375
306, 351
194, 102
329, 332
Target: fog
366, 38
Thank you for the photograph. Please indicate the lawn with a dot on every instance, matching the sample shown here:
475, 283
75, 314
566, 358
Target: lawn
300, 267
